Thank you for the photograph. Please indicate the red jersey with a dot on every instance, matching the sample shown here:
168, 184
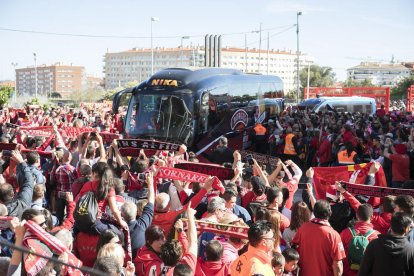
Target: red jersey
250, 196
85, 248
320, 245
346, 236
205, 268
400, 167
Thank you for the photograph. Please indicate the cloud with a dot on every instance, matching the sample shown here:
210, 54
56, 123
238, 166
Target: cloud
290, 6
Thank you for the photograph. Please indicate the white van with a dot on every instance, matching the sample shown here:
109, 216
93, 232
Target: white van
347, 104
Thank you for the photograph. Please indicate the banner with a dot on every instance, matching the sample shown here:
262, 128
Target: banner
45, 131
325, 177
131, 147
262, 159
97, 106
219, 229
220, 172
73, 132
187, 176
108, 137
182, 175
54, 244
375, 191
34, 264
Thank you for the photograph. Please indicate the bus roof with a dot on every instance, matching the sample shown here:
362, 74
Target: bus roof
193, 79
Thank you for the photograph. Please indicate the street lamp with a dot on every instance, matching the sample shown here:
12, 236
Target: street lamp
14, 64
181, 49
152, 49
34, 56
297, 57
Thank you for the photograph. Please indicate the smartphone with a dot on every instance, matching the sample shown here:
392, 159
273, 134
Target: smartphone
141, 176
249, 159
5, 222
7, 153
62, 195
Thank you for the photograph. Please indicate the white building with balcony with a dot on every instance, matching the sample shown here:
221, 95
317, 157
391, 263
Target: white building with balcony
135, 65
379, 73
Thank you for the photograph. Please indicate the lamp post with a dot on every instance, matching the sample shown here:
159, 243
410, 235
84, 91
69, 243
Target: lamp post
181, 49
297, 57
34, 56
152, 49
14, 64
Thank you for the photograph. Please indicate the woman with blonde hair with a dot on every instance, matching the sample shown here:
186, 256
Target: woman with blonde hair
274, 217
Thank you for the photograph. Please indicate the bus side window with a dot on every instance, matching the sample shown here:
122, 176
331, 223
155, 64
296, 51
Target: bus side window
358, 108
368, 108
204, 113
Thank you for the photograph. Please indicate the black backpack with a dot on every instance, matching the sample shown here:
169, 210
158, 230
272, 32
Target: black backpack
253, 206
86, 212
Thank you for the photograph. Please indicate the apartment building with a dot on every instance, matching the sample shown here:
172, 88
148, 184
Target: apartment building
63, 79
135, 65
380, 74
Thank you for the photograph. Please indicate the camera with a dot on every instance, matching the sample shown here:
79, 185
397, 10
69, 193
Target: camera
249, 159
141, 177
7, 153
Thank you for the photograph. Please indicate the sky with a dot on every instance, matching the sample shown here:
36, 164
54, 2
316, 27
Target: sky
339, 34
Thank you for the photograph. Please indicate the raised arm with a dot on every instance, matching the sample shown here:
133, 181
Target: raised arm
348, 196
295, 168
276, 172
259, 171
192, 231
26, 189
102, 153
309, 187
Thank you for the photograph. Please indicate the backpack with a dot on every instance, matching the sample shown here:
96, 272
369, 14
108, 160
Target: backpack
86, 212
253, 206
356, 248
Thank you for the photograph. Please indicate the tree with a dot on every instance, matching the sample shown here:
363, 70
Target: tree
355, 83
56, 95
400, 90
5, 94
319, 76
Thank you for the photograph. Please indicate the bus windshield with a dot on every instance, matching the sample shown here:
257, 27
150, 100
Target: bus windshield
162, 117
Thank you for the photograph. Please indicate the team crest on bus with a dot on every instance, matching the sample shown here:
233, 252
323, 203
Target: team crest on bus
239, 120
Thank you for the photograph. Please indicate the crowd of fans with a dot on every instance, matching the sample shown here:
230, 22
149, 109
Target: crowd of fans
114, 214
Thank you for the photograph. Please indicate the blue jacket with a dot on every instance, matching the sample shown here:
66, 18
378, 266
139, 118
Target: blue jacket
242, 213
23, 199
137, 228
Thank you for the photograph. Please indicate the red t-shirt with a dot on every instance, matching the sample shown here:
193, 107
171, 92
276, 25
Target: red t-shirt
250, 196
319, 246
400, 167
92, 186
